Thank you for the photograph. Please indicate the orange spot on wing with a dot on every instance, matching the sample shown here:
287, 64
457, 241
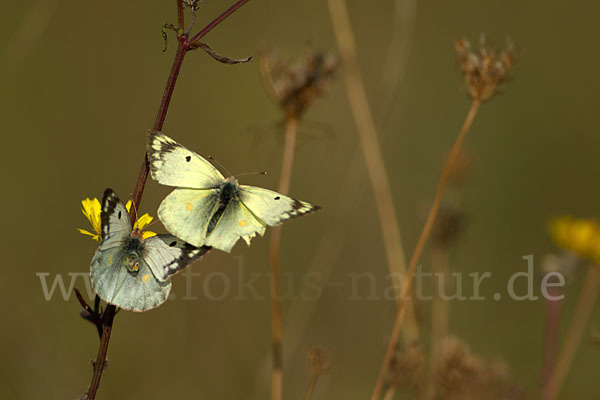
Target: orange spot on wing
146, 277
189, 206
109, 260
243, 222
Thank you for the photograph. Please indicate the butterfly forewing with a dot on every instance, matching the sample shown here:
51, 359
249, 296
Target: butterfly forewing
172, 164
115, 221
271, 207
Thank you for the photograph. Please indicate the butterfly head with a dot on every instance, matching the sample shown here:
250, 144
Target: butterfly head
232, 180
137, 233
132, 262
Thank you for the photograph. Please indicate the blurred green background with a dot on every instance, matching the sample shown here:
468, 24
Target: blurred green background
81, 83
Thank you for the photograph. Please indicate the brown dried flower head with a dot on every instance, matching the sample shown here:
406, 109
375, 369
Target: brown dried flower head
294, 85
485, 70
465, 376
317, 361
449, 224
407, 367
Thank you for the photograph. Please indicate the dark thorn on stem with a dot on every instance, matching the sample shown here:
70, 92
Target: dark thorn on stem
225, 60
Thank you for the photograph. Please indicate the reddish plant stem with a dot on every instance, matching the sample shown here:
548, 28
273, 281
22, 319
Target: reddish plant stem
182, 48
100, 363
219, 19
180, 19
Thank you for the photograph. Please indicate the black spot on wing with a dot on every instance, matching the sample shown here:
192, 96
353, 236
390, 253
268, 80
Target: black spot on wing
277, 198
188, 158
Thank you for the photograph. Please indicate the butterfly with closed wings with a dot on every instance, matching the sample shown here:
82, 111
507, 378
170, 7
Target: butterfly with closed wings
131, 272
207, 209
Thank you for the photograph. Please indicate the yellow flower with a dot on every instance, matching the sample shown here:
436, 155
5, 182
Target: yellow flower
91, 209
581, 236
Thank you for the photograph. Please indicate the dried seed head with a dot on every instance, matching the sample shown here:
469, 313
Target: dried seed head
449, 223
465, 376
406, 367
317, 361
486, 70
193, 4
295, 85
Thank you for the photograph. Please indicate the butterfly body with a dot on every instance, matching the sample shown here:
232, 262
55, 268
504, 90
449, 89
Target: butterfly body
227, 192
131, 272
207, 209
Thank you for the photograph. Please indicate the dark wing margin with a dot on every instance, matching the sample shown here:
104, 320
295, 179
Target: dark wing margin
166, 255
114, 219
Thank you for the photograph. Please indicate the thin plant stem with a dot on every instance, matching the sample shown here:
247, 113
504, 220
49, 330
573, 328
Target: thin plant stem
371, 150
219, 19
276, 319
182, 48
100, 363
180, 17
439, 314
390, 393
583, 311
329, 248
312, 383
551, 332
412, 265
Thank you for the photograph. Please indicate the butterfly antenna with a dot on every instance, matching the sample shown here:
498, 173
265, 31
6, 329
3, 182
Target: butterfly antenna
134, 209
214, 160
154, 221
252, 173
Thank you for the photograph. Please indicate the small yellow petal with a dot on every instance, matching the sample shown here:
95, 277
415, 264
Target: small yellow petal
91, 209
128, 205
143, 221
93, 235
581, 236
147, 234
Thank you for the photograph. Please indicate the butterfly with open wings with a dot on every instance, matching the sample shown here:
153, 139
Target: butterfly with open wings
207, 209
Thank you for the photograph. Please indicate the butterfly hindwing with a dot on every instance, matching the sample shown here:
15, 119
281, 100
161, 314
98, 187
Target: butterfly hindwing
138, 291
166, 255
186, 213
236, 222
271, 207
172, 164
